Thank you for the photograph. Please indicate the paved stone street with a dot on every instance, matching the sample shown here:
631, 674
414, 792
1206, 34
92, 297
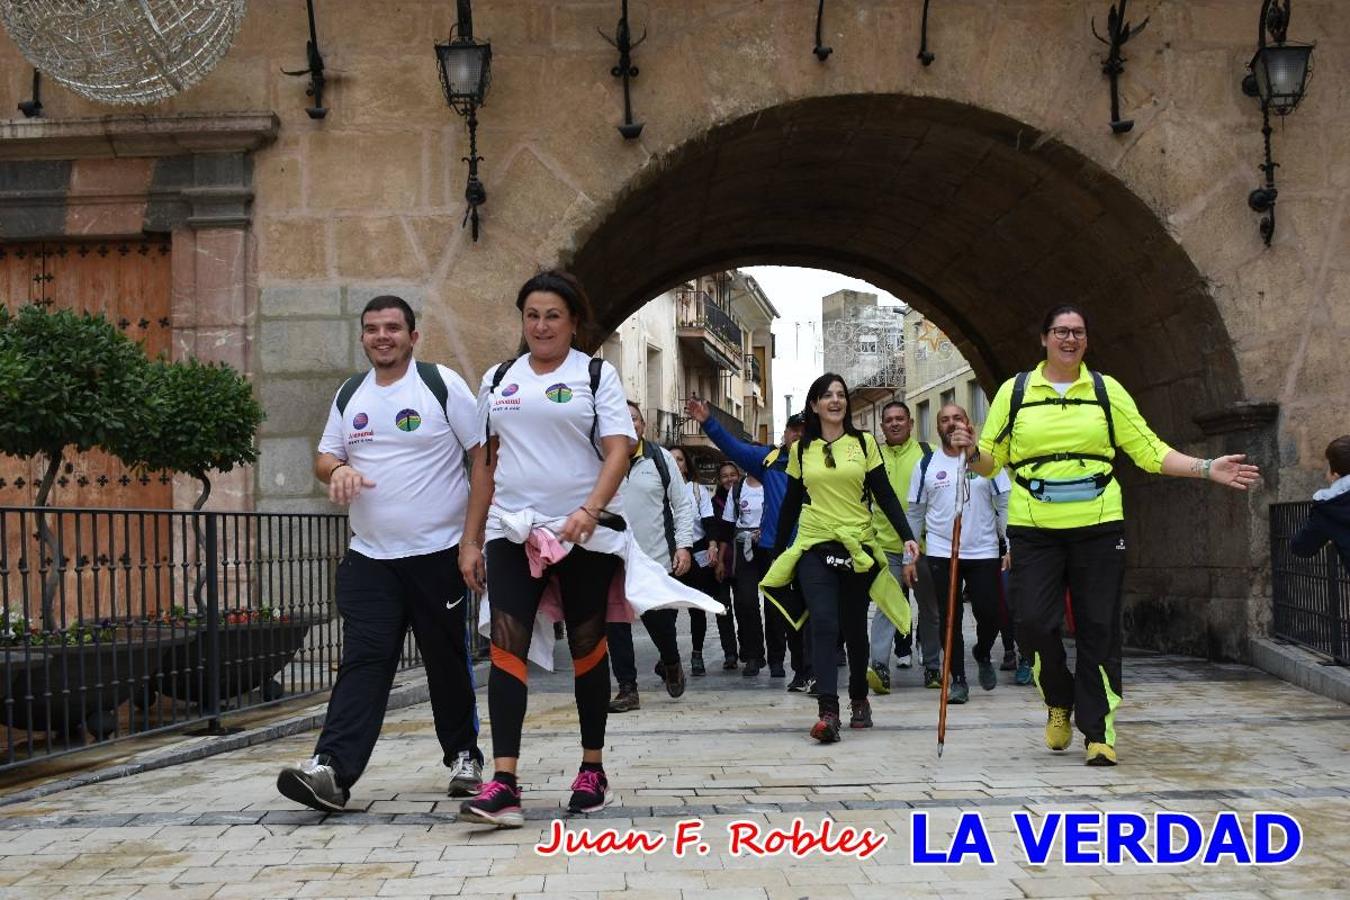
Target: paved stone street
1194, 737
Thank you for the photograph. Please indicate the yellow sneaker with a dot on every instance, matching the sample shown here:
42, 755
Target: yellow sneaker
1058, 734
1100, 754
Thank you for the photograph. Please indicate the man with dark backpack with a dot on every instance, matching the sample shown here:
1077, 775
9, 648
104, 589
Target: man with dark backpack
662, 521
393, 453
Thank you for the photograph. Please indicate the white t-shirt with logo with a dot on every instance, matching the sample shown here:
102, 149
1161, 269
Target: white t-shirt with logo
545, 460
751, 510
979, 521
701, 503
397, 436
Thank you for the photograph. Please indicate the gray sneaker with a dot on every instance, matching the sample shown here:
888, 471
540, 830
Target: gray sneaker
313, 783
959, 692
466, 776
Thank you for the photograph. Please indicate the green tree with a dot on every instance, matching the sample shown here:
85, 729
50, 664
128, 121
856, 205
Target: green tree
68, 381
203, 418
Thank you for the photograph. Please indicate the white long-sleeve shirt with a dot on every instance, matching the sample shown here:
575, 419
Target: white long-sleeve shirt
644, 507
932, 509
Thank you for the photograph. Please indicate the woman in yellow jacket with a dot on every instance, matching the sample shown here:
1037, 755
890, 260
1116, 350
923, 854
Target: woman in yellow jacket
1058, 429
835, 554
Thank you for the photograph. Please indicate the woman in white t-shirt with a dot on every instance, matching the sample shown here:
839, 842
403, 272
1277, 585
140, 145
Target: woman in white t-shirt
556, 452
700, 574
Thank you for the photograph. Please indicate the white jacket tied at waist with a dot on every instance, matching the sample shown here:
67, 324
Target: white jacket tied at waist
646, 585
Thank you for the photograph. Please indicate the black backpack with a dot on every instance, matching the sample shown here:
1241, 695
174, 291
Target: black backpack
1017, 402
923, 467
428, 372
649, 451
500, 372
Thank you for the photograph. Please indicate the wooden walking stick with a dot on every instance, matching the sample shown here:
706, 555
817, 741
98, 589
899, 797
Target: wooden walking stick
953, 583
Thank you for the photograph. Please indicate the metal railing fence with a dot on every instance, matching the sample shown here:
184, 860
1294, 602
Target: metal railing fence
117, 622
1311, 597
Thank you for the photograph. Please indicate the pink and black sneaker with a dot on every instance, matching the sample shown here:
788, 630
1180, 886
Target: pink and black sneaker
497, 804
590, 792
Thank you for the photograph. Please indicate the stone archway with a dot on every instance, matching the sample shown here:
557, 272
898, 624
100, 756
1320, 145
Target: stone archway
982, 222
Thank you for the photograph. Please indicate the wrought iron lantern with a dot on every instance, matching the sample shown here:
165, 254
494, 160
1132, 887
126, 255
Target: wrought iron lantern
1278, 77
466, 71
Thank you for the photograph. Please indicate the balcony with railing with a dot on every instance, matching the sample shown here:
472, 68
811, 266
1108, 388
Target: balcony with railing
664, 427
692, 432
709, 329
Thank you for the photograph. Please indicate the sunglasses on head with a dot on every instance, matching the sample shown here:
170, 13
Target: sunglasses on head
829, 456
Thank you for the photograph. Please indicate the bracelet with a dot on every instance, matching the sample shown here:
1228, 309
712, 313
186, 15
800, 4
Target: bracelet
1204, 468
589, 513
333, 470
473, 543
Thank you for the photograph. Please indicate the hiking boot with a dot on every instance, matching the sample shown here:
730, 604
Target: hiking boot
752, 668
777, 671
626, 700
497, 804
313, 783
730, 663
988, 677
827, 729
1023, 675
905, 661
1058, 734
1009, 661
696, 667
959, 692
466, 776
932, 678
673, 676
879, 678
797, 685
1100, 754
590, 792
862, 714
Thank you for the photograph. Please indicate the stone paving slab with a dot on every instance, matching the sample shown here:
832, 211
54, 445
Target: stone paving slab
1193, 737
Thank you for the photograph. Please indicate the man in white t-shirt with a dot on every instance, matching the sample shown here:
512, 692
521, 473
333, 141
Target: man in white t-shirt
934, 492
393, 452
745, 512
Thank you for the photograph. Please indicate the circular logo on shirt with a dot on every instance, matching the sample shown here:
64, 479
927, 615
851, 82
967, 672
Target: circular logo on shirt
510, 390
558, 393
361, 420
407, 420
941, 476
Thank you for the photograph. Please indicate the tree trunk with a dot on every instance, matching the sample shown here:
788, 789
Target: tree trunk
47, 540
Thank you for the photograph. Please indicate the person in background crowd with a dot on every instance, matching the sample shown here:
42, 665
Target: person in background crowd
700, 575
935, 491
396, 435
719, 557
661, 520
769, 466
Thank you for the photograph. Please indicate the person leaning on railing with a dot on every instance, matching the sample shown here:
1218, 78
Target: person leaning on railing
1329, 518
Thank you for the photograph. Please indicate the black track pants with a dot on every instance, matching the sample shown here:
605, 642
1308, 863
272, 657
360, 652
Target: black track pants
1090, 562
837, 600
378, 599
979, 584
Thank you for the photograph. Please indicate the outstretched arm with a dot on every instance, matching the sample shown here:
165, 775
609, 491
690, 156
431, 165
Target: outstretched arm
1229, 471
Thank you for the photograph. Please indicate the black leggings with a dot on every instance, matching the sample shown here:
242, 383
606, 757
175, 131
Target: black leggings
837, 600
513, 595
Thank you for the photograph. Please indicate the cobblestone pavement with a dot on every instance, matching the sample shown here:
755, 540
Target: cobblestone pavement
1194, 737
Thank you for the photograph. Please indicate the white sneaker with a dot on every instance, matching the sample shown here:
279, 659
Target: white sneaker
906, 661
466, 776
314, 784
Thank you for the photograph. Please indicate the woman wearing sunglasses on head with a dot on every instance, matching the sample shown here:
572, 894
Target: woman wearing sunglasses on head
835, 474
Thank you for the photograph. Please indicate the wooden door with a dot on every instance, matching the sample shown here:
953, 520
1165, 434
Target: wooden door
127, 281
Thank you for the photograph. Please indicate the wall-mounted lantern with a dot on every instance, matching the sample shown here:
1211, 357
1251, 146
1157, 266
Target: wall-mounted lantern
624, 43
1118, 31
33, 108
1278, 77
313, 68
466, 71
820, 50
925, 56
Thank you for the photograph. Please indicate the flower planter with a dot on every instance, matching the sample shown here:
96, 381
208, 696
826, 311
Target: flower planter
251, 655
83, 684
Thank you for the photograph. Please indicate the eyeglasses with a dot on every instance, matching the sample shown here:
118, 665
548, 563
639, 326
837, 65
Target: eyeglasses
1062, 333
829, 457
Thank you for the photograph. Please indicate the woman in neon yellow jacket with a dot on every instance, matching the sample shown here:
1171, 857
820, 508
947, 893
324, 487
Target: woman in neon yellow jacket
1059, 428
835, 473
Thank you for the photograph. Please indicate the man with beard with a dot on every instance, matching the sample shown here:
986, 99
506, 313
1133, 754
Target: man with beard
396, 436
934, 493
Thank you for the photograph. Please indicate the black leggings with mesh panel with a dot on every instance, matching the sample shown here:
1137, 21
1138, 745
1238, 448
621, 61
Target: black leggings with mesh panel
513, 595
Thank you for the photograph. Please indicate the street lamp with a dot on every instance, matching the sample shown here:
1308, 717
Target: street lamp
1278, 77
466, 70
